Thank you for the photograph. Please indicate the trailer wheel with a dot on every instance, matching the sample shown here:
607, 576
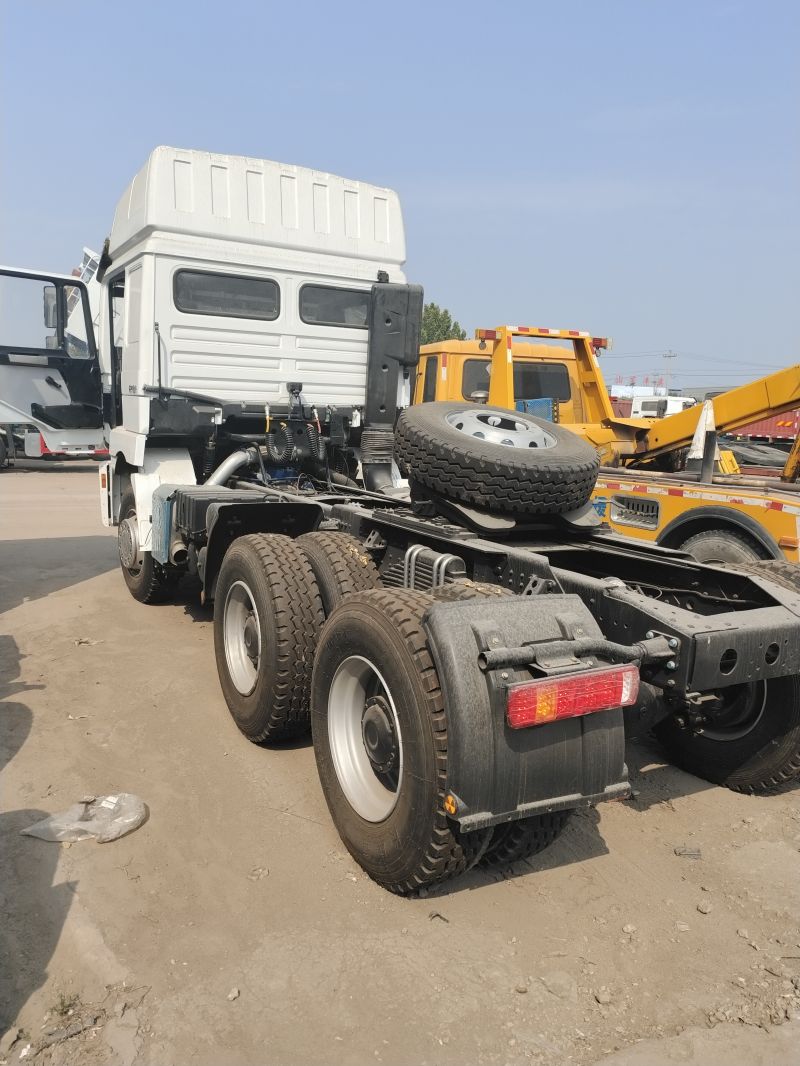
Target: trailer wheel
267, 618
146, 580
380, 739
495, 459
514, 841
340, 564
721, 546
752, 742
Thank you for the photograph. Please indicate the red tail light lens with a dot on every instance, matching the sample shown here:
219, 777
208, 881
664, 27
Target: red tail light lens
549, 698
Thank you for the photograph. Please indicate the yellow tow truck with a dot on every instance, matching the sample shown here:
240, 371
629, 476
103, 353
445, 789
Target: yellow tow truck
716, 515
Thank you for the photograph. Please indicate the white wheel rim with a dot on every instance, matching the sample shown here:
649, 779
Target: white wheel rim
242, 634
355, 683
498, 427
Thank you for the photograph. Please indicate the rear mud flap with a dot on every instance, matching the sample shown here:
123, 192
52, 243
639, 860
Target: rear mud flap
497, 774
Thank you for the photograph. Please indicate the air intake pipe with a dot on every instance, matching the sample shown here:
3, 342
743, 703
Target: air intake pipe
229, 466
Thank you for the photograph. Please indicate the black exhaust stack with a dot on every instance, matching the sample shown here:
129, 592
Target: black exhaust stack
393, 352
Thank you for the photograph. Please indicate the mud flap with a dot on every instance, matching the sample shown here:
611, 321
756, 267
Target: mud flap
497, 774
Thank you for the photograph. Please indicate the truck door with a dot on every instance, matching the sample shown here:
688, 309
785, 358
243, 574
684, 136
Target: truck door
49, 370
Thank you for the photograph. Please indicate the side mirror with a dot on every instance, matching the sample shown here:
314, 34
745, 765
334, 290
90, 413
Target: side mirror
50, 307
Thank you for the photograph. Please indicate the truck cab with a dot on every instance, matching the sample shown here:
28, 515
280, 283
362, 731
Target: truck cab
234, 299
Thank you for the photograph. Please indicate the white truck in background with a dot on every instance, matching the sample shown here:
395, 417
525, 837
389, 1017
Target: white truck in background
659, 406
462, 647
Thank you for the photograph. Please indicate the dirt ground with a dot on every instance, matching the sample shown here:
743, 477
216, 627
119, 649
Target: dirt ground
233, 928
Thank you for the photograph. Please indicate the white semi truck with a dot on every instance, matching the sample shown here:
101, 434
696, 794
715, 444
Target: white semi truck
466, 646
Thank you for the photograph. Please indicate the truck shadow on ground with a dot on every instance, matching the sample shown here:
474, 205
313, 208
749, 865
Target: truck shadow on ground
34, 908
654, 780
579, 842
33, 568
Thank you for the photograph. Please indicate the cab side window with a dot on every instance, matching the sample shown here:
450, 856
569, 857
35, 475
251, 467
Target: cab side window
429, 381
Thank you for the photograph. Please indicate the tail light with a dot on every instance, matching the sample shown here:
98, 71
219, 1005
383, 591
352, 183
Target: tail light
549, 698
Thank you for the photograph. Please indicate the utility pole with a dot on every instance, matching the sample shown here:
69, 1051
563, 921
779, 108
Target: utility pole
668, 373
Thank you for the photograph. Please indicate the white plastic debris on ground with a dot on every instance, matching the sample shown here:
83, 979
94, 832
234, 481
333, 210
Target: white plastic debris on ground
106, 818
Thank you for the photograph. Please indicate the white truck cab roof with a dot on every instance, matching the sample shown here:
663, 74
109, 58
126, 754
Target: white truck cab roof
201, 195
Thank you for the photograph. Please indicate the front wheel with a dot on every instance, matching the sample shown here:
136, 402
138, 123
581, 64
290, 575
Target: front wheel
751, 741
380, 740
147, 581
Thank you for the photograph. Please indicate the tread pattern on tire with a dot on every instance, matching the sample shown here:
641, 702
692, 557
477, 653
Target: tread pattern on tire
781, 571
515, 841
352, 569
449, 852
562, 479
298, 619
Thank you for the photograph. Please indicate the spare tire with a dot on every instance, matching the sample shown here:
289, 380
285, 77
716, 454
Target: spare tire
497, 460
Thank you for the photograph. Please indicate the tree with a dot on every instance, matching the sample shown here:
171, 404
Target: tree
438, 325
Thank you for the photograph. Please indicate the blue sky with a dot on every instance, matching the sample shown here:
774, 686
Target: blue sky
630, 168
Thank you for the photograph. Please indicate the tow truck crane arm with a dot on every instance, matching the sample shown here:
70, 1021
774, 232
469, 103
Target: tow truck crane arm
767, 396
629, 438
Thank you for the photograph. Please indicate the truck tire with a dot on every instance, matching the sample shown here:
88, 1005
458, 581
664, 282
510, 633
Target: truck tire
267, 619
514, 841
781, 571
380, 740
753, 745
721, 546
340, 564
147, 581
3, 452
497, 460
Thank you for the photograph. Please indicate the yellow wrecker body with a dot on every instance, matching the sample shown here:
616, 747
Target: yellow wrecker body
724, 517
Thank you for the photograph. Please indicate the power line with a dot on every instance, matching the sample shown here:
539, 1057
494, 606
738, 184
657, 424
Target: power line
706, 358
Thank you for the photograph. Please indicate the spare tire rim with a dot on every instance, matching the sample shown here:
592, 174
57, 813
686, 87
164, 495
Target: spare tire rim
365, 740
739, 710
499, 427
242, 636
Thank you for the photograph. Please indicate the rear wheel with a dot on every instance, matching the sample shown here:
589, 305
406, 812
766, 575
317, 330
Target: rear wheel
751, 742
514, 841
722, 546
147, 581
380, 740
340, 564
267, 618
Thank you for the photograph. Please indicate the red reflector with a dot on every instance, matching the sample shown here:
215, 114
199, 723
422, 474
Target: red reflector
549, 698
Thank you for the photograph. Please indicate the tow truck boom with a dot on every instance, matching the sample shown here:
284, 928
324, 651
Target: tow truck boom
624, 439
